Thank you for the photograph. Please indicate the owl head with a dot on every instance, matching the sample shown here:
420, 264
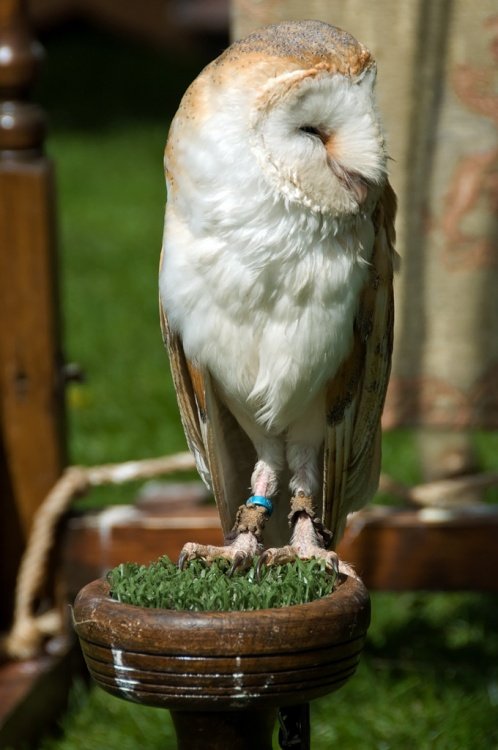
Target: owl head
290, 108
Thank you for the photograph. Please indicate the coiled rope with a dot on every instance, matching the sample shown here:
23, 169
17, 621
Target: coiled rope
30, 630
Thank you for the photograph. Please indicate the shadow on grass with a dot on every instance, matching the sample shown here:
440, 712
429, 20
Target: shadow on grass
441, 634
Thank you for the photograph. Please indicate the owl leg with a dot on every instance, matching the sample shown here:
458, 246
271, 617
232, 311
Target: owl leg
309, 538
245, 539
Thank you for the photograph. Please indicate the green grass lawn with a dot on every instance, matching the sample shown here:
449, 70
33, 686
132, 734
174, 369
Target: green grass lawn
429, 677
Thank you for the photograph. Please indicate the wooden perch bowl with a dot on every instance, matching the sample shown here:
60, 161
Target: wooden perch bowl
244, 662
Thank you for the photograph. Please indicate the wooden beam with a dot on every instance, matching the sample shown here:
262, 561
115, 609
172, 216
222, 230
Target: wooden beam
33, 693
391, 549
429, 549
95, 542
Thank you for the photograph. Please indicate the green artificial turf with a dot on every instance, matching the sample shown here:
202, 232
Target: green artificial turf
209, 588
428, 679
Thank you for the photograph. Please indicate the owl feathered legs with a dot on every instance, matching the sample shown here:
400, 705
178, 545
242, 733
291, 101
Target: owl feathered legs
298, 448
245, 540
309, 538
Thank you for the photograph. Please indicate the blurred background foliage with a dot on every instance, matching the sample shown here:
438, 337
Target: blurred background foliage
429, 678
109, 104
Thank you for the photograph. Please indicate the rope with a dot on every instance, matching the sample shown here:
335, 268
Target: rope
29, 631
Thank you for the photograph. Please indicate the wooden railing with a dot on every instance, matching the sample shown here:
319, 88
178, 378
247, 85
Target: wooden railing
31, 421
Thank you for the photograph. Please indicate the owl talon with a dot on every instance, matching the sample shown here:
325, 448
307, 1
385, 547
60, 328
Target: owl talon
239, 553
240, 562
274, 556
260, 565
182, 560
283, 555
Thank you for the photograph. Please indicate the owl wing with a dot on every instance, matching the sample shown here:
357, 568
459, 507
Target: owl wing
223, 453
355, 396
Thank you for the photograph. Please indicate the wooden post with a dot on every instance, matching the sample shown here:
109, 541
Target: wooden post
223, 675
31, 413
238, 730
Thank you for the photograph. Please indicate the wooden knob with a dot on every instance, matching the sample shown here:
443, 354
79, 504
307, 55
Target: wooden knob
22, 124
22, 128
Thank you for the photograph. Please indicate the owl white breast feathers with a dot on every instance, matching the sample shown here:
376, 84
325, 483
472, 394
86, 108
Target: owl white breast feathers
276, 282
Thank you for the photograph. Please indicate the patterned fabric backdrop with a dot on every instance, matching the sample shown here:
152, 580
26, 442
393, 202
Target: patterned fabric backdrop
438, 93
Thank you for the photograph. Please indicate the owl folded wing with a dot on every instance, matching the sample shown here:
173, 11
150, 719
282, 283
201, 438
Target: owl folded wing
223, 454
355, 396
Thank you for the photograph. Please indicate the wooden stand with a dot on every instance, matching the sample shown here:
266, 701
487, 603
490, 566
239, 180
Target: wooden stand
31, 382
33, 693
237, 730
223, 675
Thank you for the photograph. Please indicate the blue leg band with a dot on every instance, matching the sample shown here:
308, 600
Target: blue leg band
265, 502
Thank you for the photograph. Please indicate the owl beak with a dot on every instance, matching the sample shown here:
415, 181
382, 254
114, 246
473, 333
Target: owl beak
354, 182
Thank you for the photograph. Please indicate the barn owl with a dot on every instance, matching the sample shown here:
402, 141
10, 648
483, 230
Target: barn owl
276, 287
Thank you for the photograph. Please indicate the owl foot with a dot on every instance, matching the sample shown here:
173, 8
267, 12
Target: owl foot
291, 552
240, 552
309, 538
243, 542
